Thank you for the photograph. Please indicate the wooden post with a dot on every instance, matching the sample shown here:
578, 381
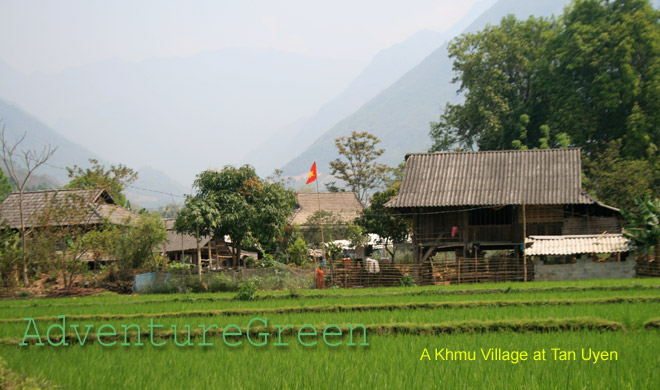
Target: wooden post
476, 265
524, 247
210, 263
459, 269
183, 256
318, 197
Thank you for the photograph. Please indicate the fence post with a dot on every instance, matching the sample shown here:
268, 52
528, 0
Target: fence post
459, 270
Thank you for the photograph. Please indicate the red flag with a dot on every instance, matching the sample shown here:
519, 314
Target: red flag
312, 173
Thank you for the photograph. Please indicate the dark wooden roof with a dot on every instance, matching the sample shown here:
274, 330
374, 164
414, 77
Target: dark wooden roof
344, 205
507, 177
101, 206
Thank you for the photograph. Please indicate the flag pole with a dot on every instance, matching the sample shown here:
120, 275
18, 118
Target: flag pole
318, 197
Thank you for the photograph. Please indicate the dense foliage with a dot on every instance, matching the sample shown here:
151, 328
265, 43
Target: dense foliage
114, 179
379, 220
588, 78
644, 224
5, 186
250, 210
197, 218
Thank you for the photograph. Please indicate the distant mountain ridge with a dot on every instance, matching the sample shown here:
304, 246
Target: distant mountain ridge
400, 115
385, 68
182, 114
38, 135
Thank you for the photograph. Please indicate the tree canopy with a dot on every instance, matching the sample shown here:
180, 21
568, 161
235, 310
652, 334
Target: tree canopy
379, 220
587, 78
643, 224
250, 209
5, 186
114, 179
198, 218
356, 165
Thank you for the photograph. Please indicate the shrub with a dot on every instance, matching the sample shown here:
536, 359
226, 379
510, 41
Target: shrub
246, 291
195, 285
138, 245
10, 256
267, 262
168, 288
175, 266
293, 292
222, 282
297, 252
408, 281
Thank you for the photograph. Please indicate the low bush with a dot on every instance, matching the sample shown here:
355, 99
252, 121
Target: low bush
246, 291
408, 281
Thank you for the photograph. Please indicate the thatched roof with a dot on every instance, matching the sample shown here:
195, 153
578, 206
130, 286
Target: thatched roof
343, 205
101, 207
507, 177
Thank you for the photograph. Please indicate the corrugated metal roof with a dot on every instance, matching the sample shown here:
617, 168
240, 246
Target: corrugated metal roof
343, 205
571, 245
544, 176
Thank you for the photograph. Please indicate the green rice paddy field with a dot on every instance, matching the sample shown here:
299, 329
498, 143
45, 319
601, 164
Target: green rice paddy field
418, 337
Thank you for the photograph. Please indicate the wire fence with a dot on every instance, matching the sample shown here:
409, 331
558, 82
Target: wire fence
431, 272
459, 270
647, 266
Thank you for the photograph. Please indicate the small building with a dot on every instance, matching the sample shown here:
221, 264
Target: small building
468, 202
183, 247
101, 207
85, 208
345, 206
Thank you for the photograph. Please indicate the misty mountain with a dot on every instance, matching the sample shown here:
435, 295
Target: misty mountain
181, 114
387, 66
384, 69
38, 135
400, 115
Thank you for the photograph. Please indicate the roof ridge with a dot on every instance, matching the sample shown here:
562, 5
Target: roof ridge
493, 151
58, 190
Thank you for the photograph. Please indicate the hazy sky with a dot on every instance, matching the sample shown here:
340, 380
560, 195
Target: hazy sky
49, 36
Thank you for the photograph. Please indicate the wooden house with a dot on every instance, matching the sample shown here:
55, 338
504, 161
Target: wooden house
469, 202
79, 209
100, 207
183, 247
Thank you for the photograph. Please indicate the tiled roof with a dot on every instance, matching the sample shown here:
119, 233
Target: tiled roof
100, 204
570, 245
533, 177
343, 205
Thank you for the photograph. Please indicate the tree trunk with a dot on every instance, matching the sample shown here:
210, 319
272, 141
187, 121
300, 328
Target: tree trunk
20, 211
199, 257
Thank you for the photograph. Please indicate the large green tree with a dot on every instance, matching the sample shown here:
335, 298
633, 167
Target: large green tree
590, 76
357, 166
113, 179
379, 220
198, 218
501, 71
606, 75
618, 180
250, 209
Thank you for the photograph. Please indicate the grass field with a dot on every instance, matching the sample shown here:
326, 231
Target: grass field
619, 317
